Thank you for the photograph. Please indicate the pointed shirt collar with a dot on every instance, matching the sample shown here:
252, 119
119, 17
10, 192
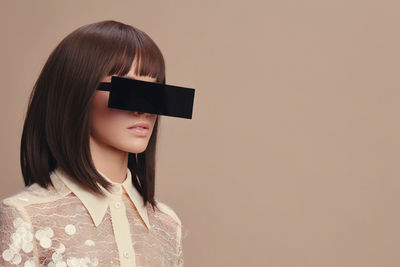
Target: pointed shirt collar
97, 205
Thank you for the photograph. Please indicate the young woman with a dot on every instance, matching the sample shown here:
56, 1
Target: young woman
89, 169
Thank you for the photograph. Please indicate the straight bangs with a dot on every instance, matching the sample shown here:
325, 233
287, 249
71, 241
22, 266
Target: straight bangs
139, 49
57, 124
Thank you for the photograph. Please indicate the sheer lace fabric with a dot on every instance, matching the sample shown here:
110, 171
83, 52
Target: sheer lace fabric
46, 227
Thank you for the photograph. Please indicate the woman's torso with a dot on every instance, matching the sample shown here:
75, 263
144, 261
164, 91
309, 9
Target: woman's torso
42, 227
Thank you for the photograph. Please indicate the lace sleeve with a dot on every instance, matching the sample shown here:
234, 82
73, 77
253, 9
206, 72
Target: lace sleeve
179, 238
180, 247
16, 238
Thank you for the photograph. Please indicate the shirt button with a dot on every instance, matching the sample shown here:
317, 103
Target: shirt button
118, 205
126, 254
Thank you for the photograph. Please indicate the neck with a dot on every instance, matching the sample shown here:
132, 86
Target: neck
108, 160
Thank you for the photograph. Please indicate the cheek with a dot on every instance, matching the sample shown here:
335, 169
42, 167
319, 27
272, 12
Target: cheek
104, 120
109, 126
153, 118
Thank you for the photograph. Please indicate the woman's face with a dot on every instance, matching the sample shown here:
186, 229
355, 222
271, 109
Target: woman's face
112, 128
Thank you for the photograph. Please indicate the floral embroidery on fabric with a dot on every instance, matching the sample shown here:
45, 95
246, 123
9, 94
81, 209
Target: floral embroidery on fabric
61, 248
89, 243
48, 230
70, 229
21, 239
29, 263
44, 237
82, 262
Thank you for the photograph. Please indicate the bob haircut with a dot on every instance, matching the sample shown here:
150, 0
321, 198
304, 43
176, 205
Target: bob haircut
57, 124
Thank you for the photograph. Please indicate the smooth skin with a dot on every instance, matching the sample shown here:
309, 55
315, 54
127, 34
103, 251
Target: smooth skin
110, 139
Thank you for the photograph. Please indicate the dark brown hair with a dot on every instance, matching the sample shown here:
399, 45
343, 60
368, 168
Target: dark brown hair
57, 124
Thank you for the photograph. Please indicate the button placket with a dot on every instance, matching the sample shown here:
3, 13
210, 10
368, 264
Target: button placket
122, 231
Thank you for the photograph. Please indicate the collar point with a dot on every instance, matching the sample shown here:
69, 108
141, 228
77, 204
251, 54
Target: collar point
96, 221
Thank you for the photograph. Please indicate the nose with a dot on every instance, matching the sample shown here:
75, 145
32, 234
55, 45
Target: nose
139, 113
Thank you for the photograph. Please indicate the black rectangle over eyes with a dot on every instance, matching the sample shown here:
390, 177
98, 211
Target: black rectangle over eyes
149, 97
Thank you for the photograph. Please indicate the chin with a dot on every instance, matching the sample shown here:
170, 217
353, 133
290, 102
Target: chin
136, 149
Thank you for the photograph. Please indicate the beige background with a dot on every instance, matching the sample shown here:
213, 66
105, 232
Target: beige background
292, 155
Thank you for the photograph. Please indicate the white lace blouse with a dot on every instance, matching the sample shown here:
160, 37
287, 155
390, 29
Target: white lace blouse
69, 226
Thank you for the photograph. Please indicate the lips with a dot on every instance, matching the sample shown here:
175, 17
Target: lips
140, 125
